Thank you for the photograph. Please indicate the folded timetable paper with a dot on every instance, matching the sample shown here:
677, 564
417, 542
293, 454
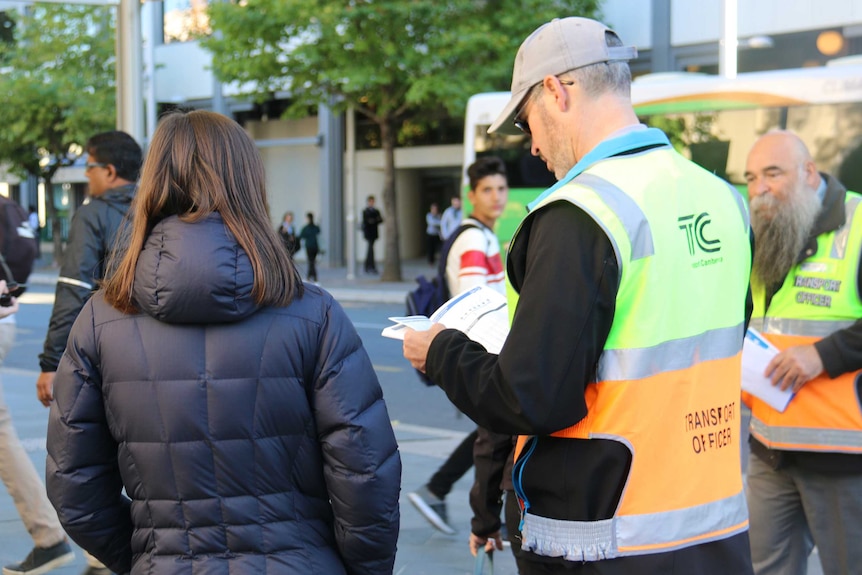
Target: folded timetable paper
480, 312
757, 352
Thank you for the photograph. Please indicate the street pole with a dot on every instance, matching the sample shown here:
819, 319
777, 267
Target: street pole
153, 16
130, 102
728, 43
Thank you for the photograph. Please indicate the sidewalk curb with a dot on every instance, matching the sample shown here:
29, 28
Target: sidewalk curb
368, 294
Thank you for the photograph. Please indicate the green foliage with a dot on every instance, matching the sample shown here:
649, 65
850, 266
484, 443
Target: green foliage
404, 64
683, 130
56, 85
384, 57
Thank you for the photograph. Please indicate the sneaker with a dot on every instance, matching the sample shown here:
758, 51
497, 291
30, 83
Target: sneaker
97, 571
42, 559
432, 508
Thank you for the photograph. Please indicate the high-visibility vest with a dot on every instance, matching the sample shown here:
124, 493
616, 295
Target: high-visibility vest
819, 296
668, 379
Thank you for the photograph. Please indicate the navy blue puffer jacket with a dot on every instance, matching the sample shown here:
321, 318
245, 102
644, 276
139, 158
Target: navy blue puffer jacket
247, 440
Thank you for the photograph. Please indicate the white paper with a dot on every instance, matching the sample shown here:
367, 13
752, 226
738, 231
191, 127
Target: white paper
480, 312
417, 322
757, 352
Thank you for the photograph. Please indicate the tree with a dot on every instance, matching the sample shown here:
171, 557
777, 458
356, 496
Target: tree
387, 59
57, 89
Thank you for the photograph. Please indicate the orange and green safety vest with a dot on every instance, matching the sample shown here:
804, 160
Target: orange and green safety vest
819, 296
668, 379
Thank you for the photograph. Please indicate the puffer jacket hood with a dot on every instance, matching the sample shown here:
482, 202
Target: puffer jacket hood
193, 273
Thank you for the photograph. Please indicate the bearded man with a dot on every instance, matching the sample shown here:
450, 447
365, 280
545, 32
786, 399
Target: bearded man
805, 469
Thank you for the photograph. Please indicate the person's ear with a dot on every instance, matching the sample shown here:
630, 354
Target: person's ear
812, 176
557, 90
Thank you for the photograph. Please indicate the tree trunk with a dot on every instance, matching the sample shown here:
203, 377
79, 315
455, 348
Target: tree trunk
392, 255
53, 221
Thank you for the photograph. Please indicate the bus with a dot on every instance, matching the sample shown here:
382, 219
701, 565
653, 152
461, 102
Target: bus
711, 120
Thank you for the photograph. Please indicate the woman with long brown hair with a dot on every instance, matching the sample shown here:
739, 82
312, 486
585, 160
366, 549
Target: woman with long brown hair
235, 406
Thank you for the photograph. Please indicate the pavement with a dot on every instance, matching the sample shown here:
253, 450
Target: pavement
360, 287
422, 550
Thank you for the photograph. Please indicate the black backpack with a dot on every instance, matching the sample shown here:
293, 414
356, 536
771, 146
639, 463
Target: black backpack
17, 241
430, 294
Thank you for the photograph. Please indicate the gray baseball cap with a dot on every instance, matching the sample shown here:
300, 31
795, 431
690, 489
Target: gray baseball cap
558, 46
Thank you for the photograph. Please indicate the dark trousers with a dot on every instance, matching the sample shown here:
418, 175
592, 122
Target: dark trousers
512, 515
433, 245
721, 557
459, 462
312, 268
369, 256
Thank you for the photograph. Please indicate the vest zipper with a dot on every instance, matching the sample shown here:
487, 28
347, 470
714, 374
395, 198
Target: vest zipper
517, 474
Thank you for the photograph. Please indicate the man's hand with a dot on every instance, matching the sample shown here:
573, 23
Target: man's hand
494, 541
45, 387
416, 344
794, 367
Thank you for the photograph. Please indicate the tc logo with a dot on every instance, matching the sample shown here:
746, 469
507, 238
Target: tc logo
693, 228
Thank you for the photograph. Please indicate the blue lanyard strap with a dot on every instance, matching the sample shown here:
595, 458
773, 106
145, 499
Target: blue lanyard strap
608, 149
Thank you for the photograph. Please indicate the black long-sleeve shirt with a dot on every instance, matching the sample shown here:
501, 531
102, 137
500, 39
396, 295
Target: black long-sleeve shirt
567, 276
501, 392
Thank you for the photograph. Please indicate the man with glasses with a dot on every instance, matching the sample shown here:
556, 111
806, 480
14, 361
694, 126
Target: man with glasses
621, 371
113, 164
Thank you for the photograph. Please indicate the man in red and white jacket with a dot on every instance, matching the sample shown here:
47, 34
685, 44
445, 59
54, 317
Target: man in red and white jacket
474, 259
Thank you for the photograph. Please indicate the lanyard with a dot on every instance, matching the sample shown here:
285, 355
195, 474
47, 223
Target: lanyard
607, 149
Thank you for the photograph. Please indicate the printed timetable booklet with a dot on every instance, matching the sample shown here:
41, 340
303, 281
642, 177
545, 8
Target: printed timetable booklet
479, 312
757, 352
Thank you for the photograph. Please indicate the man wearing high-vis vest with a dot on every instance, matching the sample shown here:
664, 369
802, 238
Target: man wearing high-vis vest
805, 469
621, 371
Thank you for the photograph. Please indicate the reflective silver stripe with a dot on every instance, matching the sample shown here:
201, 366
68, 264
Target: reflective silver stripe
626, 209
635, 534
804, 327
740, 203
638, 363
74, 282
807, 438
839, 243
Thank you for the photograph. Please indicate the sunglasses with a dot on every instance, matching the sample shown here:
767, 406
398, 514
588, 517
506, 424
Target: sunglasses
521, 123
90, 165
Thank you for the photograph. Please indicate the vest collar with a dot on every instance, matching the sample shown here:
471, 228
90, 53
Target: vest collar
627, 142
831, 217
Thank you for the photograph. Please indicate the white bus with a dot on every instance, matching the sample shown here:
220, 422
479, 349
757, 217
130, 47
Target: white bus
710, 119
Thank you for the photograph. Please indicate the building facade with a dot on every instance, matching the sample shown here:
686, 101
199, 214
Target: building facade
326, 165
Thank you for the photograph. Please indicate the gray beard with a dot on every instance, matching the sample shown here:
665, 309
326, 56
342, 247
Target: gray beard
780, 239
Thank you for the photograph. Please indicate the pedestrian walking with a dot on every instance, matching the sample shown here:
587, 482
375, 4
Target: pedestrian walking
371, 220
287, 232
616, 472
309, 236
112, 169
212, 413
432, 232
473, 259
33, 218
451, 218
51, 549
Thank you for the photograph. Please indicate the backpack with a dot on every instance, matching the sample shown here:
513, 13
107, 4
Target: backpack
430, 294
17, 241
